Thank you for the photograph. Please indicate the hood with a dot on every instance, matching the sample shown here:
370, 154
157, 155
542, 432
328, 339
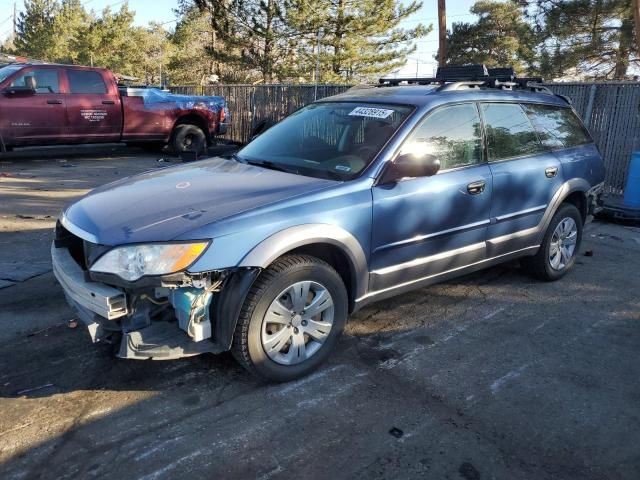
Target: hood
164, 204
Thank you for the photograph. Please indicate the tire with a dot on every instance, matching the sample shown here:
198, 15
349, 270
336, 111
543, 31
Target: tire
543, 264
265, 343
188, 138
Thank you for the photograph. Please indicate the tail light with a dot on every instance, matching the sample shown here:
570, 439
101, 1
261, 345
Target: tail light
223, 114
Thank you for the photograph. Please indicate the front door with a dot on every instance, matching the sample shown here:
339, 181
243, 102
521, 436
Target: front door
93, 107
34, 118
426, 226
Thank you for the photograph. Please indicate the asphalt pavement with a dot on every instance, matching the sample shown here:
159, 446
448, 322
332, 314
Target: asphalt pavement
493, 375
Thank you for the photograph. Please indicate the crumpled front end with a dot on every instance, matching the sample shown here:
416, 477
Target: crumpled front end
157, 318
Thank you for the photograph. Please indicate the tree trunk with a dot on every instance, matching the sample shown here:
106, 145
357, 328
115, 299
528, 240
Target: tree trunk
267, 67
636, 19
336, 64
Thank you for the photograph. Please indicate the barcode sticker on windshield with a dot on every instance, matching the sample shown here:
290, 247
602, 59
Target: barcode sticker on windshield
371, 112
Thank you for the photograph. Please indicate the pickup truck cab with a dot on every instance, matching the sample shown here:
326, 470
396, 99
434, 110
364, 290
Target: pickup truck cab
349, 200
43, 104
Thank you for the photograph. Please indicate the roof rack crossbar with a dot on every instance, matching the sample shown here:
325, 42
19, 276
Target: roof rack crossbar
453, 77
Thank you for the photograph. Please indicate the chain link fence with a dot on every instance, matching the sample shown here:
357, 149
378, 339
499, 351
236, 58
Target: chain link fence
611, 111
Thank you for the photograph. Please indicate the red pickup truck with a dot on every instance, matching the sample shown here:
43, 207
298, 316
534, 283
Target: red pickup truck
45, 104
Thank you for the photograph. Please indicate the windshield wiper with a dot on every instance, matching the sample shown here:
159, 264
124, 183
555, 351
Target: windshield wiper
269, 165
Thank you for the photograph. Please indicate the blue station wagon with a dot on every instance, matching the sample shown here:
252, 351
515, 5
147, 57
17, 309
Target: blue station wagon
349, 200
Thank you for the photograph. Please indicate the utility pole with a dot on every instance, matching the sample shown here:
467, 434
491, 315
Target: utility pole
15, 20
442, 32
636, 18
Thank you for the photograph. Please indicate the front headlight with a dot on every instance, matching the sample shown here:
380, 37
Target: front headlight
135, 261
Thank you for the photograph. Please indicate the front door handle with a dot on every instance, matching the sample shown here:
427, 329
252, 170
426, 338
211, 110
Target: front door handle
108, 102
54, 102
474, 188
551, 172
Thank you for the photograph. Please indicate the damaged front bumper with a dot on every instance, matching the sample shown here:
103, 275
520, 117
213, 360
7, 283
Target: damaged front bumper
161, 322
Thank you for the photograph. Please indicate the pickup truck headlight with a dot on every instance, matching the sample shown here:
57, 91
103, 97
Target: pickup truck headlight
135, 261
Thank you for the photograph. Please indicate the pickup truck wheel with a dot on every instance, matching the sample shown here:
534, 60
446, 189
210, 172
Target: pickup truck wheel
559, 247
291, 319
188, 138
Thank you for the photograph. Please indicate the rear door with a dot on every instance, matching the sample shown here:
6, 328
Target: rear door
429, 225
525, 177
93, 106
31, 119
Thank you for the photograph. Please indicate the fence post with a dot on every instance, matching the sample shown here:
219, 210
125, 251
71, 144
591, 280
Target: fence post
589, 110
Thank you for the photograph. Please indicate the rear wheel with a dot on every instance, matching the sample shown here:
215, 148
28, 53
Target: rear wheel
292, 318
188, 138
560, 245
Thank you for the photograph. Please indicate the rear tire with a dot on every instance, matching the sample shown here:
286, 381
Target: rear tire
560, 245
291, 319
188, 138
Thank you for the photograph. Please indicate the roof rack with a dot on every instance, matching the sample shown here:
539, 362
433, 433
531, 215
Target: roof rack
461, 77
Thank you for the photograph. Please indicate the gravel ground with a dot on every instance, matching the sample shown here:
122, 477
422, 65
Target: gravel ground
493, 375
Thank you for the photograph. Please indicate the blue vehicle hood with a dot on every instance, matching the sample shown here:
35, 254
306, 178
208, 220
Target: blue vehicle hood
163, 204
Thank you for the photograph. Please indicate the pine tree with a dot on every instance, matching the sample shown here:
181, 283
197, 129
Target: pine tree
500, 37
358, 39
252, 35
69, 23
590, 37
35, 33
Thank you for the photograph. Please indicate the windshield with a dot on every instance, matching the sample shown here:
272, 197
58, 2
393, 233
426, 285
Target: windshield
8, 70
328, 140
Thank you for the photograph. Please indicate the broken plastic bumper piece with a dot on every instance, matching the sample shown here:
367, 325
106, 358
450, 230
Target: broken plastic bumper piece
107, 310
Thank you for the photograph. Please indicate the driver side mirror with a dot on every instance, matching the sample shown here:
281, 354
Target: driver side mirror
19, 90
412, 165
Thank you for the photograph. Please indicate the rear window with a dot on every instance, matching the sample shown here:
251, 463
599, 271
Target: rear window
557, 127
84, 81
509, 132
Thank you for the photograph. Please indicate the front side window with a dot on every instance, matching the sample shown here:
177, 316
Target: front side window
509, 132
452, 134
86, 81
328, 139
41, 80
8, 70
557, 127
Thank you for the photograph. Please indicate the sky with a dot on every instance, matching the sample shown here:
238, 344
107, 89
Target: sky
161, 11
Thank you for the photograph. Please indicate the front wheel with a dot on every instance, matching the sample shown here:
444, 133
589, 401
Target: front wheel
560, 245
291, 319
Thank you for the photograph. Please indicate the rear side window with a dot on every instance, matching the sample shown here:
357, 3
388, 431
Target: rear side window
84, 81
453, 134
43, 80
557, 127
509, 131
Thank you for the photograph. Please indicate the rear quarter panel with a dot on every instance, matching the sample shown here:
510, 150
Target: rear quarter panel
583, 161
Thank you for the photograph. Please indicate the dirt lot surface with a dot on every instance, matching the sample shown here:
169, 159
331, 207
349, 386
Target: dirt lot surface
493, 375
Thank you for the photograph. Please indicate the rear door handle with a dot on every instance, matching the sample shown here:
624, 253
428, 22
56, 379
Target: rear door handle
54, 102
474, 188
108, 102
551, 172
